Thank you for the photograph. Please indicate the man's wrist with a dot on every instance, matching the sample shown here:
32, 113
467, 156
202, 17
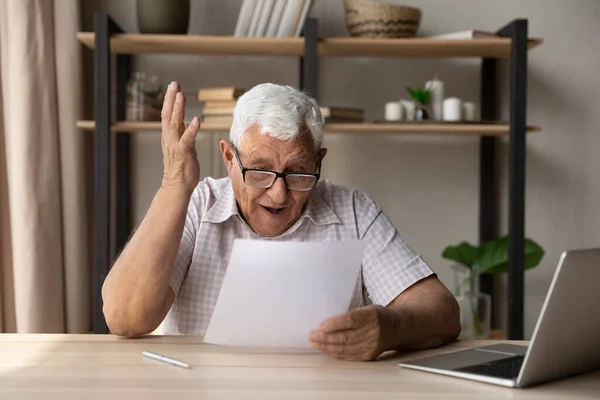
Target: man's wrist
394, 327
176, 186
175, 191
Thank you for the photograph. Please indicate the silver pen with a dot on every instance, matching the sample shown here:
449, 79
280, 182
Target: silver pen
165, 359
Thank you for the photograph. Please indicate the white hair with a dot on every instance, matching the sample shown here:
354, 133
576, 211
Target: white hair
282, 112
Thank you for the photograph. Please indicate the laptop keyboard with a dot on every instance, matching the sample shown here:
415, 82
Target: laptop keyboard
506, 368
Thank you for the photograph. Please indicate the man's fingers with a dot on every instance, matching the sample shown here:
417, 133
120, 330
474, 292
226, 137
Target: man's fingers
177, 116
339, 337
355, 335
342, 351
168, 104
336, 350
188, 138
349, 320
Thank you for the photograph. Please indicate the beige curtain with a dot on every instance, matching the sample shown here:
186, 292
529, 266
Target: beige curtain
7, 310
44, 267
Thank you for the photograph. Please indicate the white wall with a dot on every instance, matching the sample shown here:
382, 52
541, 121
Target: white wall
427, 185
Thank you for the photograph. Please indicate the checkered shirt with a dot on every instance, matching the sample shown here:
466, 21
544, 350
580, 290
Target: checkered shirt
333, 212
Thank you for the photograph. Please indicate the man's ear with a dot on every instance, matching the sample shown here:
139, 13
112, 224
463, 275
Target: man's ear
227, 153
323, 153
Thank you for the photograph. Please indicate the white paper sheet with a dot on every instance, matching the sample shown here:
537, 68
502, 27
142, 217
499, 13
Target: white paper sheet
275, 293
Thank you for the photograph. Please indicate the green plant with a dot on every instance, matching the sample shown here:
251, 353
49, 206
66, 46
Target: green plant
420, 95
491, 258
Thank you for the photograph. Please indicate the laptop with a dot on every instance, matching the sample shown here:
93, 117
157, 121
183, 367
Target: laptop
565, 341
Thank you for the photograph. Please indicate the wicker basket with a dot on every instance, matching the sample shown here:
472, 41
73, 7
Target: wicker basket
368, 18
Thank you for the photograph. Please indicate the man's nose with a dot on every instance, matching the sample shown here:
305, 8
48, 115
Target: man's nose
278, 192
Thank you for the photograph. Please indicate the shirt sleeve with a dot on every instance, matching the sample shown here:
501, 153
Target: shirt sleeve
187, 244
390, 266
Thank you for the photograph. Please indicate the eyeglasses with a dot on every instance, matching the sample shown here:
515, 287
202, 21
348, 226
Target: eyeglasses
263, 179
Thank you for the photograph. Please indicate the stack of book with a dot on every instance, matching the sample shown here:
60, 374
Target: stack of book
219, 103
472, 34
342, 114
272, 18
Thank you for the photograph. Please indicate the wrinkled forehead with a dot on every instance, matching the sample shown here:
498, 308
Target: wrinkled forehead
255, 142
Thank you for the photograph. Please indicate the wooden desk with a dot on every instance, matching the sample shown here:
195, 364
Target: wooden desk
109, 368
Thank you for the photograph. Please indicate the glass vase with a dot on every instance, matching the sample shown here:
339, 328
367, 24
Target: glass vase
144, 98
420, 113
475, 307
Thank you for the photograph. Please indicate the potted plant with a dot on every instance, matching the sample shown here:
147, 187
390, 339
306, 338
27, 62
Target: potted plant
472, 261
420, 97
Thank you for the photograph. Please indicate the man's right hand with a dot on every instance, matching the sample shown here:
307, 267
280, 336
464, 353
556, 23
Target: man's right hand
181, 168
136, 293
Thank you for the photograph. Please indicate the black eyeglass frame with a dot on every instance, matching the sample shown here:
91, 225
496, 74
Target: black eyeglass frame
277, 175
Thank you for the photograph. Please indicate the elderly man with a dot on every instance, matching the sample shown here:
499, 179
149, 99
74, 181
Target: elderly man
174, 264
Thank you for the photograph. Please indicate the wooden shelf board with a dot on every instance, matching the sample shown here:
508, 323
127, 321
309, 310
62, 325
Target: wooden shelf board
367, 128
426, 128
417, 47
129, 43
134, 126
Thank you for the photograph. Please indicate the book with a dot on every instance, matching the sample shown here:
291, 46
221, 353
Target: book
219, 103
263, 20
302, 17
220, 93
275, 19
217, 111
342, 113
255, 17
472, 34
220, 120
289, 18
244, 18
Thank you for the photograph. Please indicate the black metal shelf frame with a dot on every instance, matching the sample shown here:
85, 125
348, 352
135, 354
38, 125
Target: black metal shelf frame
517, 31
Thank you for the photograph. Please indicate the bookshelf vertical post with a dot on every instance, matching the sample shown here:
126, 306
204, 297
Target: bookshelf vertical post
517, 31
488, 203
103, 27
309, 62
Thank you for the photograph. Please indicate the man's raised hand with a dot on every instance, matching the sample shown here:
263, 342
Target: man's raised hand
181, 168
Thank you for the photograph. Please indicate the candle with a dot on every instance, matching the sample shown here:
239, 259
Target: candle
468, 111
393, 111
452, 109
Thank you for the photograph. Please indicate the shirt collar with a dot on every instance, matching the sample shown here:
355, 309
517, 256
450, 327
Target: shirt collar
318, 211
225, 207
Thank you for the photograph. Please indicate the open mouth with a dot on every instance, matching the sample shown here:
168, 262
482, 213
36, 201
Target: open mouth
274, 210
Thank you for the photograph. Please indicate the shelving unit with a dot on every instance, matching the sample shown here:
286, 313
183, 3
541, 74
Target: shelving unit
512, 46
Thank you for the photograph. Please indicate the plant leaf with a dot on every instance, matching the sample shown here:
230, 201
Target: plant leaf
463, 253
411, 92
423, 97
493, 256
427, 96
